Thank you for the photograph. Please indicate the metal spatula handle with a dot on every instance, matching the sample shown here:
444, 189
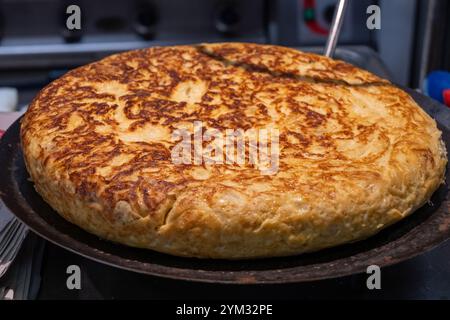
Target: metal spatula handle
336, 27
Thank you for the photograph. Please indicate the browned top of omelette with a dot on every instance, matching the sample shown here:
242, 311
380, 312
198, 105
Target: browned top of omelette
355, 152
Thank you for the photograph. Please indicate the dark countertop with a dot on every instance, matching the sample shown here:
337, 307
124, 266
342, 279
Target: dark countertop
424, 277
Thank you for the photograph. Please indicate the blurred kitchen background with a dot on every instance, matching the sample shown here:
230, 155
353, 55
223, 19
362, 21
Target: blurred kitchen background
36, 46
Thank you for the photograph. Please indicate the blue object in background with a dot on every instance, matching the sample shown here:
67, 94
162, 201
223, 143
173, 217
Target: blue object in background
436, 83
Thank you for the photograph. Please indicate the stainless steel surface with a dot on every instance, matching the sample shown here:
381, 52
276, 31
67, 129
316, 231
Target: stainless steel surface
32, 33
336, 27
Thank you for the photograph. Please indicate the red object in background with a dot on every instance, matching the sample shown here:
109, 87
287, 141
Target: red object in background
315, 27
447, 97
1, 133
311, 22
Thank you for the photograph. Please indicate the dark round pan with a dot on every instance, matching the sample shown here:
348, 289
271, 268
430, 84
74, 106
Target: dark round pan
426, 228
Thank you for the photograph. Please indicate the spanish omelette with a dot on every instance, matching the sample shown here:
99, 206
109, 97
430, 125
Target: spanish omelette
356, 153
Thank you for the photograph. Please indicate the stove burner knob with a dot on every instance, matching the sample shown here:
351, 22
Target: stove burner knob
227, 20
146, 20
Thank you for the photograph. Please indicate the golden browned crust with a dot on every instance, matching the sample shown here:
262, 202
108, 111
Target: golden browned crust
356, 153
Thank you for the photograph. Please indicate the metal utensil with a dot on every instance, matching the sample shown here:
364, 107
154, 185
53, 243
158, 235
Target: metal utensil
336, 27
